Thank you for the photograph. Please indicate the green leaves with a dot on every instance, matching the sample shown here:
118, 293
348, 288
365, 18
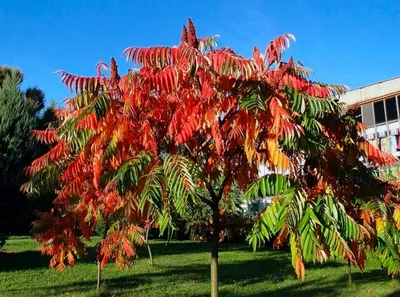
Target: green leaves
128, 174
268, 185
181, 175
253, 101
270, 221
153, 189
312, 106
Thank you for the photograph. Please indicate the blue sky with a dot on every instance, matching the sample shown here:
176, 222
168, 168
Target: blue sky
349, 42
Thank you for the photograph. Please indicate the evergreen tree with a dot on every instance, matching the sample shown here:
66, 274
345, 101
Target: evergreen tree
16, 124
19, 115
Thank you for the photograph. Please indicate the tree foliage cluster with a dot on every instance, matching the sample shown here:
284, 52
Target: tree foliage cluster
190, 122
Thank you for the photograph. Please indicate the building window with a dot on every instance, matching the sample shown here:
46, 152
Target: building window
367, 114
391, 109
358, 113
379, 112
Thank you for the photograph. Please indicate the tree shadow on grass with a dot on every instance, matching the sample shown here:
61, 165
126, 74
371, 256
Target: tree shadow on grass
276, 269
176, 248
248, 272
13, 261
394, 294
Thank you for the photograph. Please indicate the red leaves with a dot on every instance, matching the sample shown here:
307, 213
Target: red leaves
166, 80
79, 83
276, 48
158, 57
189, 126
238, 126
85, 230
207, 90
228, 63
46, 136
357, 255
376, 156
215, 131
259, 60
148, 140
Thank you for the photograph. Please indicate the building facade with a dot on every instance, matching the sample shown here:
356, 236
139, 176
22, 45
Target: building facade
378, 105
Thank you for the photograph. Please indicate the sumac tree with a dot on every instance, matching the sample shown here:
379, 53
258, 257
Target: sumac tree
178, 131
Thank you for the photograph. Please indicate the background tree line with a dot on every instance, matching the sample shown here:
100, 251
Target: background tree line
21, 111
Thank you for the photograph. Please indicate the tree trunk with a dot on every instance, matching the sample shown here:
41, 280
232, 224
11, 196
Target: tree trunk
349, 273
148, 245
98, 260
98, 275
214, 251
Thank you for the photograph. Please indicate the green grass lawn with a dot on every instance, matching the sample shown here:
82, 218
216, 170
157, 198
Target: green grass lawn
181, 269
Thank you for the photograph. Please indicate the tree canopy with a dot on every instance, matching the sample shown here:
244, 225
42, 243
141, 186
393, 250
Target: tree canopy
187, 124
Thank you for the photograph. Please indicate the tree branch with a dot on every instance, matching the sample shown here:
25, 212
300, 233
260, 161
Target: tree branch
205, 200
203, 145
224, 183
210, 190
230, 113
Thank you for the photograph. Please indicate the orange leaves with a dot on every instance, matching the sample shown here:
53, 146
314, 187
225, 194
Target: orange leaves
96, 170
120, 246
280, 117
74, 167
238, 125
88, 122
361, 127
73, 188
46, 136
376, 156
281, 238
55, 154
396, 216
300, 269
278, 159
249, 143
127, 247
